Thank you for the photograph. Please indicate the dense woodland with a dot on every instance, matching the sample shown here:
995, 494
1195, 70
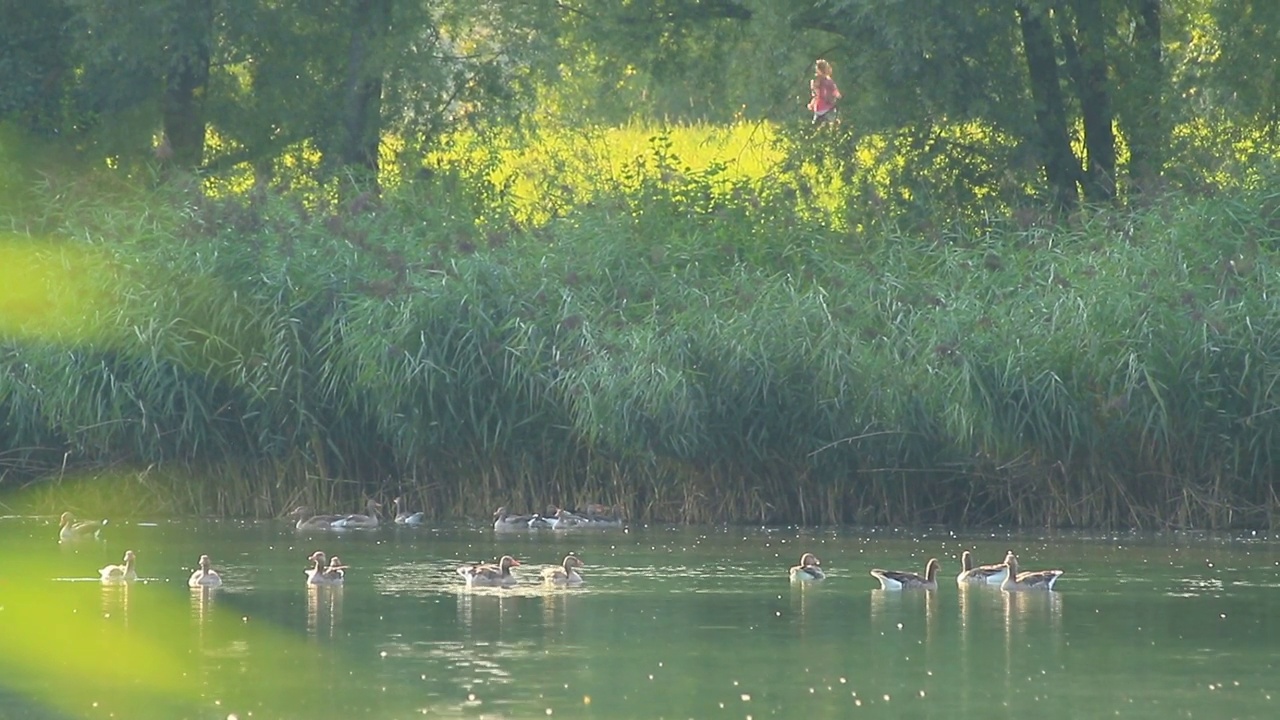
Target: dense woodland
263, 253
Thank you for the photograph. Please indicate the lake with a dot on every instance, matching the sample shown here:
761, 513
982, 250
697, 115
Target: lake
670, 623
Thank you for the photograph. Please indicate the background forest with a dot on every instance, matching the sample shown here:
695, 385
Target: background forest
259, 253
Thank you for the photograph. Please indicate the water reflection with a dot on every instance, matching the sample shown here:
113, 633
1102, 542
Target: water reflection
202, 603
324, 610
115, 601
1038, 608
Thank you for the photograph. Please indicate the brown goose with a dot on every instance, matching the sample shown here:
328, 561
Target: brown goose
71, 529
808, 569
565, 573
491, 575
981, 574
1032, 580
900, 580
368, 520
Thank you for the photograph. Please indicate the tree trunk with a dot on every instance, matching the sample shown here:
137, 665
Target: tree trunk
1093, 86
1062, 168
362, 92
1147, 135
185, 84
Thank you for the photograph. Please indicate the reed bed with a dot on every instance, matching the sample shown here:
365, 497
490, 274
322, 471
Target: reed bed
690, 348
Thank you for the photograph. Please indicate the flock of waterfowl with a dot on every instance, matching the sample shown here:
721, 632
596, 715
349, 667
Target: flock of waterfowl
1005, 574
330, 571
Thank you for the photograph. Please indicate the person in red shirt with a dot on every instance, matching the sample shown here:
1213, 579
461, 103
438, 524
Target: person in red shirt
824, 92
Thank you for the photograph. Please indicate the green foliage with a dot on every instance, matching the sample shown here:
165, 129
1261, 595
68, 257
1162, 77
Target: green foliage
688, 345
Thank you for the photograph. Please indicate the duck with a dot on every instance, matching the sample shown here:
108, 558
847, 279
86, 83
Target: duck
980, 574
900, 580
124, 573
1031, 580
808, 569
310, 521
324, 575
565, 573
406, 518
368, 521
491, 575
71, 529
205, 577
504, 520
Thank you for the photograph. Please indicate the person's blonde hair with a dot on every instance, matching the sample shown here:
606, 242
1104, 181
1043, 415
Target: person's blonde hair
823, 67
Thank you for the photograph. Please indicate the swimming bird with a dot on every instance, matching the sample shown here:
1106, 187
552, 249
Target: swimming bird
565, 573
124, 573
335, 573
404, 517
503, 520
205, 577
981, 574
1031, 580
308, 520
491, 575
319, 573
71, 529
562, 519
357, 520
900, 580
598, 515
808, 569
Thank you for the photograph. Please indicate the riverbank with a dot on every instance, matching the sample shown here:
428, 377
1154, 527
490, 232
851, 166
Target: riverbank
693, 352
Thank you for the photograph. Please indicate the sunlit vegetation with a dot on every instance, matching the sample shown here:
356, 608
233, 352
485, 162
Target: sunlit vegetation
689, 343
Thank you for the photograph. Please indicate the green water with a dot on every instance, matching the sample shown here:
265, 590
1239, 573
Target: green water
671, 623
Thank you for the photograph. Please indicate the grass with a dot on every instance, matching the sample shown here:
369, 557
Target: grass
687, 342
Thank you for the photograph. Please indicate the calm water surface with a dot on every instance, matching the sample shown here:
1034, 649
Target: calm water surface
671, 623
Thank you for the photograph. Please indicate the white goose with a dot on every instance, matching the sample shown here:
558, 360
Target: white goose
205, 577
124, 573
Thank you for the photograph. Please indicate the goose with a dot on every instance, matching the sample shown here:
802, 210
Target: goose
319, 574
601, 516
1031, 580
808, 569
503, 520
335, 573
406, 518
491, 575
310, 521
205, 577
71, 529
900, 580
980, 574
537, 522
565, 573
369, 520
123, 573
562, 519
